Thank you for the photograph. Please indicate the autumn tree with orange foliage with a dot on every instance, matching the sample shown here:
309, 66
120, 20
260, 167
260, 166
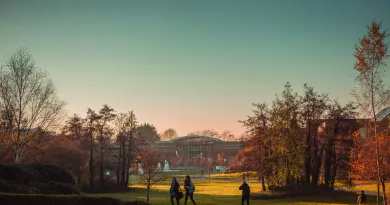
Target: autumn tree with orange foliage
257, 147
363, 154
372, 96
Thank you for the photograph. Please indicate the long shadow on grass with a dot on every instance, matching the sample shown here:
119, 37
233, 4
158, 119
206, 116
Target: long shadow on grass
341, 197
162, 197
338, 197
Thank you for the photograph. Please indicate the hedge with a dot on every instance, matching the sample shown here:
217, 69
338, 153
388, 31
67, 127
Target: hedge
14, 173
48, 172
20, 199
36, 179
36, 173
38, 188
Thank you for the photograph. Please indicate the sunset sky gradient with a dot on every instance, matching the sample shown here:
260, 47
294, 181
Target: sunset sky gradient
189, 65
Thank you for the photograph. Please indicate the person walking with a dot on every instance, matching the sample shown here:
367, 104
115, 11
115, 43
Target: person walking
246, 191
190, 188
362, 198
174, 191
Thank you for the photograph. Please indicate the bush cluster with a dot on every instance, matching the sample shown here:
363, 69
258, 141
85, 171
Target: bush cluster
12, 199
36, 179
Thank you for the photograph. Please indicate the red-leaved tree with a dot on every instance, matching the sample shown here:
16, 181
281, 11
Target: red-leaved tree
372, 96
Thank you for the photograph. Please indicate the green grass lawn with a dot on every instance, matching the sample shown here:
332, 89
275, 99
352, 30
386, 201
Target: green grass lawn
371, 187
227, 193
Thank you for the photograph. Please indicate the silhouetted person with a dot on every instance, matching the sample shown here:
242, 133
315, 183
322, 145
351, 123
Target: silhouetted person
174, 191
246, 191
189, 186
362, 198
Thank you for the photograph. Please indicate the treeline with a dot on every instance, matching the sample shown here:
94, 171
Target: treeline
290, 142
33, 129
298, 139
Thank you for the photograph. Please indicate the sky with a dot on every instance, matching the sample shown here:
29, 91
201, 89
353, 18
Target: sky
189, 65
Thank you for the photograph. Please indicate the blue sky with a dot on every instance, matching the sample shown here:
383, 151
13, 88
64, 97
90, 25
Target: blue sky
189, 65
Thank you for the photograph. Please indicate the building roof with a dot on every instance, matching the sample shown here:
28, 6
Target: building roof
196, 136
383, 114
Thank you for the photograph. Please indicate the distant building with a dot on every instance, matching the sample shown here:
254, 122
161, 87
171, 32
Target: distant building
198, 152
344, 129
384, 116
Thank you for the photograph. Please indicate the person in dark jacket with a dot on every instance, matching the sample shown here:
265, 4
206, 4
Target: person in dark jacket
362, 198
174, 191
246, 191
189, 186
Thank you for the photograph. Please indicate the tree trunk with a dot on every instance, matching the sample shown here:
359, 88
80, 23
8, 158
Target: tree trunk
317, 167
118, 168
384, 191
128, 159
377, 162
308, 158
263, 183
327, 168
148, 194
101, 162
375, 135
334, 173
78, 175
330, 155
125, 168
91, 166
377, 193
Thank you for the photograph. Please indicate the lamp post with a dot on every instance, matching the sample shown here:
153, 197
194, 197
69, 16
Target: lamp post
209, 168
224, 170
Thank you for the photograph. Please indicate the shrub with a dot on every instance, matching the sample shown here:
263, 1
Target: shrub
14, 173
349, 184
36, 178
10, 187
48, 172
23, 174
110, 186
324, 187
55, 188
11, 199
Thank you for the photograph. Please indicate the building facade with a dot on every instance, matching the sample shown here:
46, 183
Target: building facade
198, 152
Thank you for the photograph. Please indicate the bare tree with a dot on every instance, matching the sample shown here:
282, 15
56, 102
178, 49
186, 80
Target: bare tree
206, 132
92, 118
152, 173
28, 101
106, 116
226, 135
126, 126
373, 94
169, 134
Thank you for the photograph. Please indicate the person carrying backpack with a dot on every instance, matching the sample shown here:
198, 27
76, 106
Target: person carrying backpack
175, 191
246, 191
190, 188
